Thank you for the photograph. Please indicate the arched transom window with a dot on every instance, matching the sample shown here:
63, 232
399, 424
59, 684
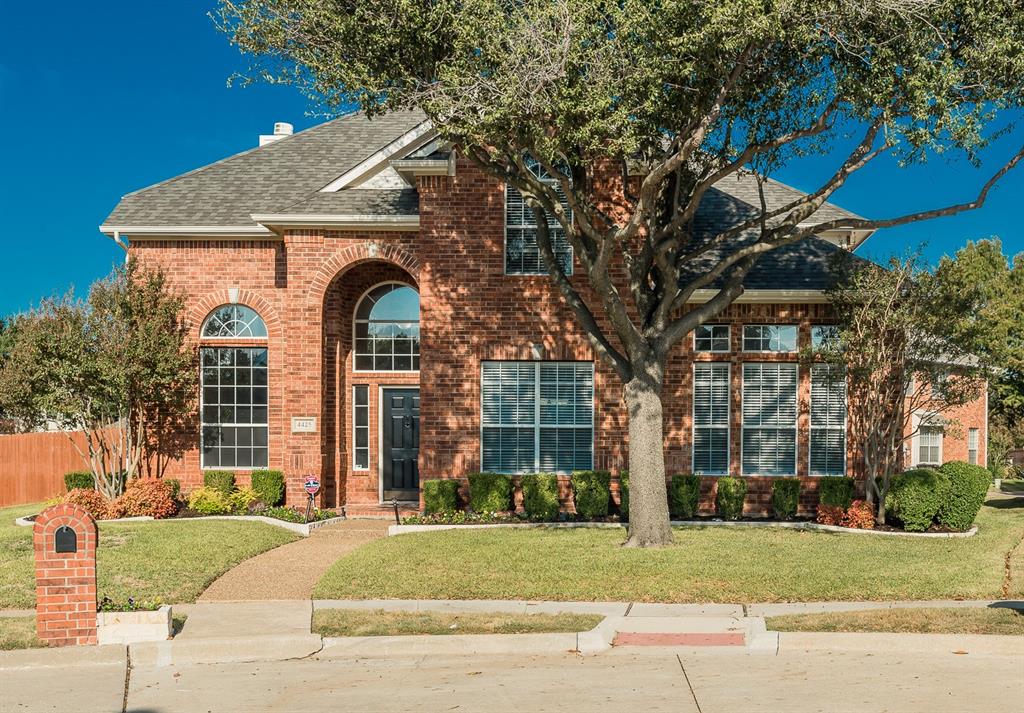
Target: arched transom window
234, 393
387, 329
234, 321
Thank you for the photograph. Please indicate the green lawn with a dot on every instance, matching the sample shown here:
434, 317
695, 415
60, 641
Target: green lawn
945, 620
18, 632
355, 622
170, 561
704, 565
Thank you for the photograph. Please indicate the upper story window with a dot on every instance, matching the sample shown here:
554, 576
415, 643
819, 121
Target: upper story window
234, 322
711, 338
387, 329
769, 338
825, 337
522, 256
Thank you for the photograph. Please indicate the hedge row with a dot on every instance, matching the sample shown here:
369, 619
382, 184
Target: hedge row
950, 496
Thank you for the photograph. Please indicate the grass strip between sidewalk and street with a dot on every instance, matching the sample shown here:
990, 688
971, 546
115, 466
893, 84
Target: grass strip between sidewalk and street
362, 622
18, 632
168, 561
703, 565
949, 620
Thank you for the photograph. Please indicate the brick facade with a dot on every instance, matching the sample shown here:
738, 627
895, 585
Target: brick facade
65, 581
306, 284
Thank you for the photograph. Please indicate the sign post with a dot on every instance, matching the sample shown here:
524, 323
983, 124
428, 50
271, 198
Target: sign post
312, 487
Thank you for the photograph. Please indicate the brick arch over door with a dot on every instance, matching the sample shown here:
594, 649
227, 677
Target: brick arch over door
351, 256
202, 308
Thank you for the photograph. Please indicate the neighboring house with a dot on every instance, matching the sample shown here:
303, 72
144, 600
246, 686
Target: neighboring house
372, 310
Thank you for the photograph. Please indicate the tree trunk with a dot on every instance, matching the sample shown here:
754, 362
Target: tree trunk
648, 498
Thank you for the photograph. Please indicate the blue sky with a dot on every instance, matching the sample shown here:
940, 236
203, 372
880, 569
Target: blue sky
99, 99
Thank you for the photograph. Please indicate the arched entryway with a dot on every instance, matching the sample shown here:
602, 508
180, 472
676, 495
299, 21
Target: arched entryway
371, 386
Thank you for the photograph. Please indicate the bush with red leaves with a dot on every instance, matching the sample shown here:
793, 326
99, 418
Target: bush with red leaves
830, 514
90, 501
859, 516
145, 496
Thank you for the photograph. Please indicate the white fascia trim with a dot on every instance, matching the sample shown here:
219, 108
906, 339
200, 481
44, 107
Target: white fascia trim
424, 166
409, 141
188, 231
767, 296
339, 222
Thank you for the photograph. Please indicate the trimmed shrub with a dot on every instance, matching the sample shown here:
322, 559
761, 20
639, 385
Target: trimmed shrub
440, 495
243, 499
174, 488
490, 492
830, 514
91, 501
965, 495
144, 497
835, 491
785, 497
624, 494
729, 498
209, 501
79, 480
222, 480
859, 516
269, 486
592, 491
540, 496
915, 496
684, 495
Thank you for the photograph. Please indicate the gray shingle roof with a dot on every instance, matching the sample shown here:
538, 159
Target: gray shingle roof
266, 179
358, 201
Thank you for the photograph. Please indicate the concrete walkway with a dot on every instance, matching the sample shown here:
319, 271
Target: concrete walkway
291, 571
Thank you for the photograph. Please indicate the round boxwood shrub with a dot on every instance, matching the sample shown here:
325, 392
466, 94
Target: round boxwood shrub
592, 491
965, 495
540, 496
915, 496
684, 495
440, 495
785, 497
729, 498
837, 492
79, 480
624, 494
222, 480
209, 501
269, 486
490, 492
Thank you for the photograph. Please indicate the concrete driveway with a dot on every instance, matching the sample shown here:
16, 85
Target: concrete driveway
622, 680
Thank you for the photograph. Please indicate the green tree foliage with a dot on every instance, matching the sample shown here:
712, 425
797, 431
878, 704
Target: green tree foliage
669, 99
117, 366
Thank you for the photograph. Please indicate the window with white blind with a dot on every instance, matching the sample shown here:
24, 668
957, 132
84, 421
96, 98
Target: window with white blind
828, 420
522, 255
711, 419
769, 337
769, 419
361, 427
711, 338
537, 416
972, 446
929, 445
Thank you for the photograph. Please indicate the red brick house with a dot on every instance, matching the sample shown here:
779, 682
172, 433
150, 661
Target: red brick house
372, 309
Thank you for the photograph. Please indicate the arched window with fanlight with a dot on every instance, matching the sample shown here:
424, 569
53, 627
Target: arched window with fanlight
387, 329
233, 398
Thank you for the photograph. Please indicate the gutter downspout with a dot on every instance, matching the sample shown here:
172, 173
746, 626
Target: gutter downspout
116, 237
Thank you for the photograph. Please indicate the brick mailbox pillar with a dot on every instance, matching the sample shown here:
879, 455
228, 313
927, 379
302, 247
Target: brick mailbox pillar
64, 538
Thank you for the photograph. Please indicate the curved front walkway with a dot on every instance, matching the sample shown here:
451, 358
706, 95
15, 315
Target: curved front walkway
291, 571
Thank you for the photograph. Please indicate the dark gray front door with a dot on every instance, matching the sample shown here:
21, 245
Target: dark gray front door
401, 438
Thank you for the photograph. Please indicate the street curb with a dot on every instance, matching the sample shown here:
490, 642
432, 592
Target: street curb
953, 644
455, 644
57, 657
235, 649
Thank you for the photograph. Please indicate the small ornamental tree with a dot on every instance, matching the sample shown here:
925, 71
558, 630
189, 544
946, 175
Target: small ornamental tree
634, 110
913, 351
118, 367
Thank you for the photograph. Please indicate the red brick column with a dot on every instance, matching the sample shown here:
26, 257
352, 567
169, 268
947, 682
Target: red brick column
65, 581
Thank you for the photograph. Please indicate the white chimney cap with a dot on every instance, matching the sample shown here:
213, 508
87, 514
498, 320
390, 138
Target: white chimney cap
283, 128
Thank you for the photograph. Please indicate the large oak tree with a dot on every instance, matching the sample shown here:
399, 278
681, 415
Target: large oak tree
676, 95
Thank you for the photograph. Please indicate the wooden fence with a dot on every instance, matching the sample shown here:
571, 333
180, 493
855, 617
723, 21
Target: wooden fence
32, 465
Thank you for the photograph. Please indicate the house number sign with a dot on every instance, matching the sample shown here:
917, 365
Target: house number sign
303, 424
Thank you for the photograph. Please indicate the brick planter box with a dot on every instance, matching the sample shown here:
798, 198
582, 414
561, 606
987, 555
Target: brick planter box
130, 627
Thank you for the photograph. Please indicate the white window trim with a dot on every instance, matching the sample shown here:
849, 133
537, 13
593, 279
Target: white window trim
236, 468
355, 351
504, 246
810, 427
796, 429
693, 424
743, 340
728, 336
536, 415
915, 442
357, 468
976, 432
